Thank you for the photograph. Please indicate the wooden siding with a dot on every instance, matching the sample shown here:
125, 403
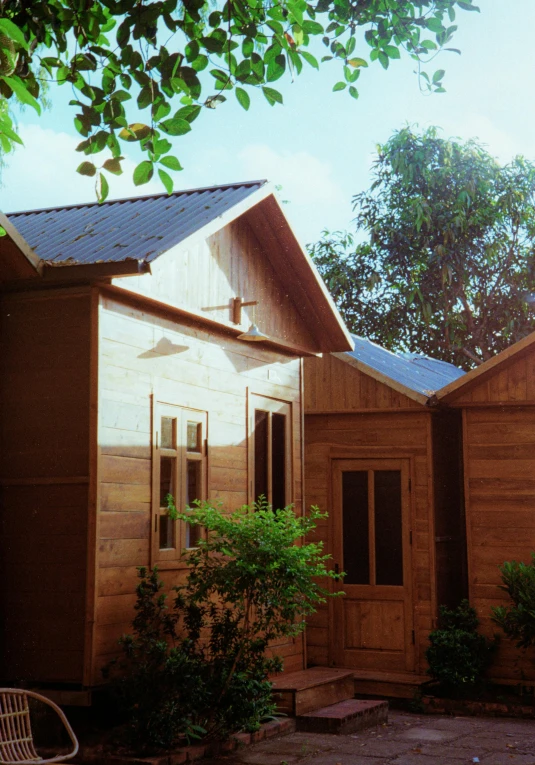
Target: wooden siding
199, 371
373, 435
44, 443
499, 458
332, 385
203, 277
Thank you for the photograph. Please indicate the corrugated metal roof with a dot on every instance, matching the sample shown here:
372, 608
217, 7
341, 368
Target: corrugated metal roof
418, 373
139, 228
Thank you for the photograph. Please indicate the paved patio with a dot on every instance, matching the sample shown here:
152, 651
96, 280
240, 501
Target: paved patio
407, 739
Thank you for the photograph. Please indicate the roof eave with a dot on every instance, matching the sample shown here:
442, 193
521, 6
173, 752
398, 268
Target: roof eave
420, 398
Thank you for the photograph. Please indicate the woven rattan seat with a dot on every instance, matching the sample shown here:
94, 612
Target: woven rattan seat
16, 738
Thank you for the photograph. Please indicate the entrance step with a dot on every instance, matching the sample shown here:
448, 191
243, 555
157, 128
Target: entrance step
397, 685
297, 693
345, 717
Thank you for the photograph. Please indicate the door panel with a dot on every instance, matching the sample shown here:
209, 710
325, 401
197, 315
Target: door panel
371, 542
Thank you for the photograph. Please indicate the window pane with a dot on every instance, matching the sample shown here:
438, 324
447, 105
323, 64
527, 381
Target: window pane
168, 430
194, 437
261, 454
388, 532
355, 527
278, 460
167, 472
193, 492
166, 532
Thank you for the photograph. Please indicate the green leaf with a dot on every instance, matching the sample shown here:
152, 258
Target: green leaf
438, 75
309, 58
166, 180
467, 6
243, 98
113, 165
143, 173
3, 232
175, 126
383, 59
7, 130
391, 51
339, 86
434, 24
273, 96
87, 168
102, 188
13, 32
19, 89
353, 92
171, 162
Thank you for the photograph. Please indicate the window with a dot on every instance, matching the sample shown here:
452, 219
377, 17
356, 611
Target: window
270, 450
179, 465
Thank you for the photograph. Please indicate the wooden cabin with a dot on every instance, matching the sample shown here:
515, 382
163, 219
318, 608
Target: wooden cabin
127, 373
384, 461
497, 403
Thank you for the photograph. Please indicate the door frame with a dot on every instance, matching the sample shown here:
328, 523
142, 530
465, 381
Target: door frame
403, 462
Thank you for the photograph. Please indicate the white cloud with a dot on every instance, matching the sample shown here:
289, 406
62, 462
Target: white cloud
43, 173
306, 182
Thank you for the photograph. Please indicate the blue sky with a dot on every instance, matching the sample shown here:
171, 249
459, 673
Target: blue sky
319, 146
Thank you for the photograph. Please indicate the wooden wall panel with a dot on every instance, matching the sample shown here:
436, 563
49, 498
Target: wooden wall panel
44, 448
513, 382
198, 371
499, 455
375, 435
231, 263
332, 385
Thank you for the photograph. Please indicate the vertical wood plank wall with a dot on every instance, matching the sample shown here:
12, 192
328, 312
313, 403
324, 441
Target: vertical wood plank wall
44, 437
199, 371
396, 427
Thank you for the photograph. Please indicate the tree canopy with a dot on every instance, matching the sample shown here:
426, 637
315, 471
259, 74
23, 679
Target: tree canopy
442, 262
142, 71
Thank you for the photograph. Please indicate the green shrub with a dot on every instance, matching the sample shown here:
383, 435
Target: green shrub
458, 655
518, 619
200, 667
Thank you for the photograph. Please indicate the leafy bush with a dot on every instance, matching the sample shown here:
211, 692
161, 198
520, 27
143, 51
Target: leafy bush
201, 667
518, 619
458, 655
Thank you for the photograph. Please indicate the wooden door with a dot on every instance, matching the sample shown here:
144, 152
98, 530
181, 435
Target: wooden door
373, 622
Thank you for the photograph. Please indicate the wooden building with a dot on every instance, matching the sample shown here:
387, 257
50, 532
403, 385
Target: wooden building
124, 376
384, 461
497, 401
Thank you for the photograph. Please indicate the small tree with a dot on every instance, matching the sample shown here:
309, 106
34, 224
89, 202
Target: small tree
517, 620
203, 666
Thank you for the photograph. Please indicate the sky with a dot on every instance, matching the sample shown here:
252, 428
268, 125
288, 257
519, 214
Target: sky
318, 147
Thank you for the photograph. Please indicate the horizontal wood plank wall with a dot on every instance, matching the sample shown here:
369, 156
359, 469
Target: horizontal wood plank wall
231, 263
367, 435
332, 385
199, 371
44, 421
499, 457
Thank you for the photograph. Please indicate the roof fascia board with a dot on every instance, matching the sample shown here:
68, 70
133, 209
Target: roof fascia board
298, 261
420, 398
22, 245
456, 388
90, 271
148, 303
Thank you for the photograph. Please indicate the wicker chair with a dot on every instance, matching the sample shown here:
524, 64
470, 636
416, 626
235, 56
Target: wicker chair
16, 739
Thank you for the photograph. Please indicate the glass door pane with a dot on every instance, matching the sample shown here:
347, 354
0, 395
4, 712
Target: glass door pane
355, 527
388, 527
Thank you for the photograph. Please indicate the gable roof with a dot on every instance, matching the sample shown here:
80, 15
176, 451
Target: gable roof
138, 228
416, 376
487, 369
123, 237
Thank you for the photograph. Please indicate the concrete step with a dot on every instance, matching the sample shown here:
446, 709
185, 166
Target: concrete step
345, 717
297, 693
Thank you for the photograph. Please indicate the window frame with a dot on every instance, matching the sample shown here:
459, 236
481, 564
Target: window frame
271, 405
172, 557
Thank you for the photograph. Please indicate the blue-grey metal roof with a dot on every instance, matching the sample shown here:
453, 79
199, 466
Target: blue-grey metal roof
139, 228
418, 373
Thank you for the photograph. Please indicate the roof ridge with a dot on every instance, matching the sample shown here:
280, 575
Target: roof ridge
261, 182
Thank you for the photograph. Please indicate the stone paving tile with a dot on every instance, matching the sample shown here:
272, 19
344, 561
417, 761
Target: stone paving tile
376, 748
496, 758
415, 758
427, 733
